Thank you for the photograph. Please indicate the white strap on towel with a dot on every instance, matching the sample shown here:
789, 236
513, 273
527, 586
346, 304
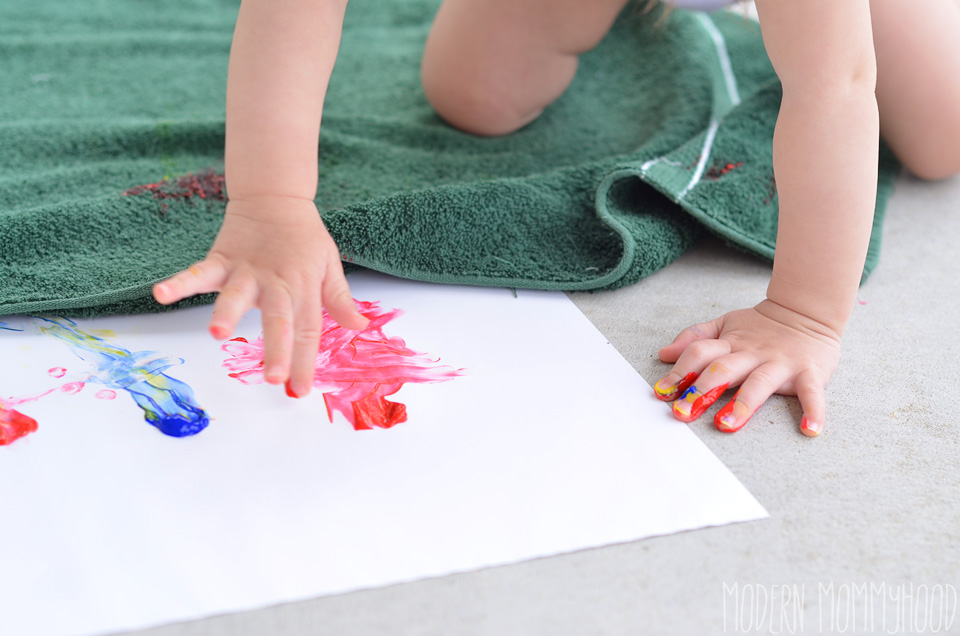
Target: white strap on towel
702, 5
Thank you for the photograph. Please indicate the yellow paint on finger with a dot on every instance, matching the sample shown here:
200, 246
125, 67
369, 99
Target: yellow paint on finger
719, 368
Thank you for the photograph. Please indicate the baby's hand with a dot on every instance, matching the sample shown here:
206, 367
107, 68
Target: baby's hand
768, 349
274, 253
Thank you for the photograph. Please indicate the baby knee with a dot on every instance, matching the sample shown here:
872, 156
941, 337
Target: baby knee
468, 105
933, 166
932, 152
471, 102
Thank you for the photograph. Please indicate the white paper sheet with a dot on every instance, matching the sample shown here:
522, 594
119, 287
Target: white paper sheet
548, 442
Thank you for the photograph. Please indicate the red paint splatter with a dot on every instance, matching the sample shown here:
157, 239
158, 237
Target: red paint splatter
72, 387
57, 372
14, 425
206, 185
771, 190
106, 394
356, 370
718, 170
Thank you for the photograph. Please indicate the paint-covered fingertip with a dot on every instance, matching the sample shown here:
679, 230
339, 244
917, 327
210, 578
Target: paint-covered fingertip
810, 428
668, 389
692, 404
220, 332
733, 416
731, 426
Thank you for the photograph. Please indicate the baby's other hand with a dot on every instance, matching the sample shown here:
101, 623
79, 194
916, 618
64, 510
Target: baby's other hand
274, 253
767, 349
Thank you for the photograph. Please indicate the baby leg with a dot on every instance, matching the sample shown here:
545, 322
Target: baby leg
918, 82
492, 66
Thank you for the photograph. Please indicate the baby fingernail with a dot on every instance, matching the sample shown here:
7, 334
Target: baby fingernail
666, 386
669, 388
726, 422
692, 403
810, 428
733, 416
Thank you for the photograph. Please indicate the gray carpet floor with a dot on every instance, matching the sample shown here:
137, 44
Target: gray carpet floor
872, 501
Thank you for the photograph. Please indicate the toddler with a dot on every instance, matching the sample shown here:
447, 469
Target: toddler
849, 69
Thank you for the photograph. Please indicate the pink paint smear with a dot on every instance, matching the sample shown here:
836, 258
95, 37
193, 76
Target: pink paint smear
356, 370
14, 424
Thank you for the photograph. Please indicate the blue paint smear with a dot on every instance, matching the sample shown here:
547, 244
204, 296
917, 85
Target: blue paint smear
167, 403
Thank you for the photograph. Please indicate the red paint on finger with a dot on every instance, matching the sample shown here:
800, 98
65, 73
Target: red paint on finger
219, 332
693, 403
670, 393
810, 428
733, 416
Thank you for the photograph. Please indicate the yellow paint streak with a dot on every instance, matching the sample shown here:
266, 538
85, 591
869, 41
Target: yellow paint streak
667, 391
716, 367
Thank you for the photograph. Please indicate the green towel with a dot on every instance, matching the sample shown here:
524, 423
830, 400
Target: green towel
112, 131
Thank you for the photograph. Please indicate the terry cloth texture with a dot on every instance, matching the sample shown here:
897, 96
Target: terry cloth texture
665, 132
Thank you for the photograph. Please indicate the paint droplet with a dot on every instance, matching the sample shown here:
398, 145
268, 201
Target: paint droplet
57, 372
862, 302
72, 387
106, 394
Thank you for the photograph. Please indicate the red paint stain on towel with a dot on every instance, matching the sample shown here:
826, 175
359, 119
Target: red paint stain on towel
719, 170
205, 185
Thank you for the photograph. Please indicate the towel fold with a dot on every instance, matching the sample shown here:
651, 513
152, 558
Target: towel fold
112, 131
